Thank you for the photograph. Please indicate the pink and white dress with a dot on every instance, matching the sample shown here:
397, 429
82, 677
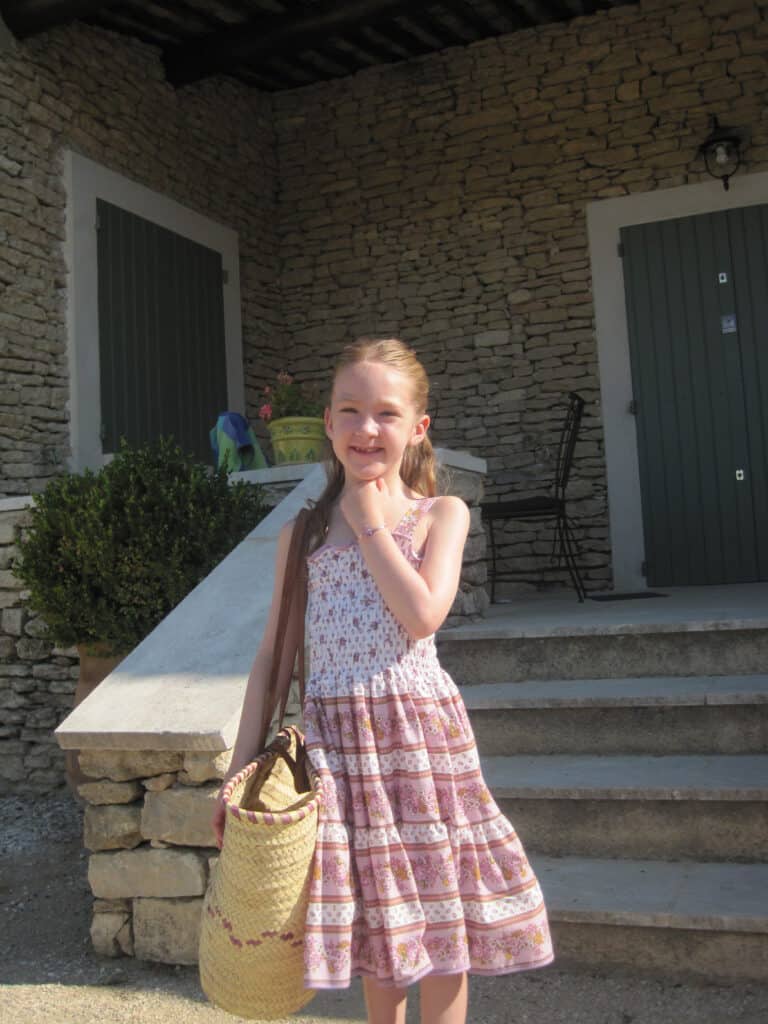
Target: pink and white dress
416, 870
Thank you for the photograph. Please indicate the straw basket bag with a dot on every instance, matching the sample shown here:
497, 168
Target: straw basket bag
251, 954
251, 941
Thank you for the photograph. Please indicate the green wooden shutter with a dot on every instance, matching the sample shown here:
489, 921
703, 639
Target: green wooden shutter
161, 334
696, 308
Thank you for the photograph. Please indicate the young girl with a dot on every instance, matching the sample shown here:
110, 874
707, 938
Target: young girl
417, 875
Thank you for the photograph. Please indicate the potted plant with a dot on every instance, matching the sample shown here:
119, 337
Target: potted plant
107, 555
293, 413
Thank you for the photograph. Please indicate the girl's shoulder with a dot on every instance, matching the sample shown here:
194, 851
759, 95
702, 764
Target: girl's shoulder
447, 506
447, 513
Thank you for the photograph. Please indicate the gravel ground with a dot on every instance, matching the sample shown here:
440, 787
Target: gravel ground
49, 974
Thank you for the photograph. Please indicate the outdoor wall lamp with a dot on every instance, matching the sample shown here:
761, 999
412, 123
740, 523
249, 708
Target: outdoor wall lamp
722, 152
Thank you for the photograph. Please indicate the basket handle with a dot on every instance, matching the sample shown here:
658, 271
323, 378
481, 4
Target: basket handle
292, 600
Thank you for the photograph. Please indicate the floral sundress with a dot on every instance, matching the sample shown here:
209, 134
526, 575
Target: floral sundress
416, 869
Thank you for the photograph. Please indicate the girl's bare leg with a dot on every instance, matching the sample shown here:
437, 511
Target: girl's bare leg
384, 1005
444, 999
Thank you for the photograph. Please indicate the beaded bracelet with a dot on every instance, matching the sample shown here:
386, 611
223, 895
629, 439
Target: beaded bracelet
368, 531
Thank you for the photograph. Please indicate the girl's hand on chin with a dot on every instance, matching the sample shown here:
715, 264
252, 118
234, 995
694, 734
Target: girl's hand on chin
367, 504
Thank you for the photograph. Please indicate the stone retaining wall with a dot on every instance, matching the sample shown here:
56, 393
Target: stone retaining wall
147, 825
37, 680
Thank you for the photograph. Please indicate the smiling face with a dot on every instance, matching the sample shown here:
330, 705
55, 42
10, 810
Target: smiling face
372, 419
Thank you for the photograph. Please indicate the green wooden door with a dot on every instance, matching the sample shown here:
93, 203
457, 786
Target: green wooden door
161, 334
697, 310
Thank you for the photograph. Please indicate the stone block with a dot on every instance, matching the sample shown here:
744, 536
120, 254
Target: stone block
111, 934
32, 649
489, 339
114, 827
181, 815
159, 782
106, 792
146, 872
111, 906
12, 620
121, 765
468, 486
167, 930
202, 766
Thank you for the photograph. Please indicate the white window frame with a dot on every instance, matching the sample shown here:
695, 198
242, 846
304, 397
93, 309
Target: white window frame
85, 182
604, 219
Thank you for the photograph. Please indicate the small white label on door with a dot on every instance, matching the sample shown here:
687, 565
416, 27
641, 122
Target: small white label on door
728, 323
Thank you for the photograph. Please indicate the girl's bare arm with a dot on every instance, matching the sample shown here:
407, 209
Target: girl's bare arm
421, 599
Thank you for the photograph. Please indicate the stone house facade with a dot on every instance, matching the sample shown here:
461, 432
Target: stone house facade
461, 200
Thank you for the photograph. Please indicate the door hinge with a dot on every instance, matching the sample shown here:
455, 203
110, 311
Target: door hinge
632, 407
620, 250
643, 568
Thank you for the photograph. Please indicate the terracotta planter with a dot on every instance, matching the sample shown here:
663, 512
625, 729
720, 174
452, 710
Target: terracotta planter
94, 667
297, 439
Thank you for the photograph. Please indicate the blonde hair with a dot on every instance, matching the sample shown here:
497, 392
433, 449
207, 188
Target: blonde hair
418, 469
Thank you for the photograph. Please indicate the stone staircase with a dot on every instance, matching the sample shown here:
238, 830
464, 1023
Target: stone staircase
638, 784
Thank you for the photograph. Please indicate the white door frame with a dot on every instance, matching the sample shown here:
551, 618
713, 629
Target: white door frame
85, 182
604, 219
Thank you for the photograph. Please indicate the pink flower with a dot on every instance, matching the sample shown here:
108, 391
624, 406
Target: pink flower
266, 412
284, 378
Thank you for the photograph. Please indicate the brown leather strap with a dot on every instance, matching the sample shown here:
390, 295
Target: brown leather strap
294, 596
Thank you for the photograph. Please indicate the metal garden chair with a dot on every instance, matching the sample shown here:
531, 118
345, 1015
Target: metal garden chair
544, 506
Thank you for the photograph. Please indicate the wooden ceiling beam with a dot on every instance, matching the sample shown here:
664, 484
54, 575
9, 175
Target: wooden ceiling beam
444, 34
342, 58
32, 16
363, 42
466, 13
413, 45
515, 13
278, 34
556, 9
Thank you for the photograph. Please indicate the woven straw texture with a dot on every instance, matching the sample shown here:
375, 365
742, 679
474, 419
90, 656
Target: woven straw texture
252, 935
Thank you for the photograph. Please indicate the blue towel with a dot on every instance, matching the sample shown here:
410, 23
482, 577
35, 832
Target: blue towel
234, 444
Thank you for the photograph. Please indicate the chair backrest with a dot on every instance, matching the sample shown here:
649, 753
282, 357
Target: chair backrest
568, 443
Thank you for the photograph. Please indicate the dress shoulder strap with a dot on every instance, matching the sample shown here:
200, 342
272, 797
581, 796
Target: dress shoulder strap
415, 512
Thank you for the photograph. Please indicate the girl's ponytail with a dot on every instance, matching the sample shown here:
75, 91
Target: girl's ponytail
418, 469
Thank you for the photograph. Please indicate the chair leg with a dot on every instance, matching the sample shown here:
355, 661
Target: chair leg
568, 550
564, 554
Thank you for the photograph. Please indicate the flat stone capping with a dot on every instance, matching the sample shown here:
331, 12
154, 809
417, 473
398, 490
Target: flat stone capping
737, 777
655, 894
14, 504
686, 609
182, 687
675, 691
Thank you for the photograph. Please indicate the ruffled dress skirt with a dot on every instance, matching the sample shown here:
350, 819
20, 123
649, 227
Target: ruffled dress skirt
416, 870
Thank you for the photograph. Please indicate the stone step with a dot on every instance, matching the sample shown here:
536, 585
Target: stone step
656, 715
664, 807
495, 651
705, 919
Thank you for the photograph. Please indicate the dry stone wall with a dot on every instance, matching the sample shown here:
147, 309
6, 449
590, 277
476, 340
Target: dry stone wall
147, 827
37, 680
444, 200
208, 146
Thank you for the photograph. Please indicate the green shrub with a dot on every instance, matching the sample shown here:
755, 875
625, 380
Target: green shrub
107, 555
